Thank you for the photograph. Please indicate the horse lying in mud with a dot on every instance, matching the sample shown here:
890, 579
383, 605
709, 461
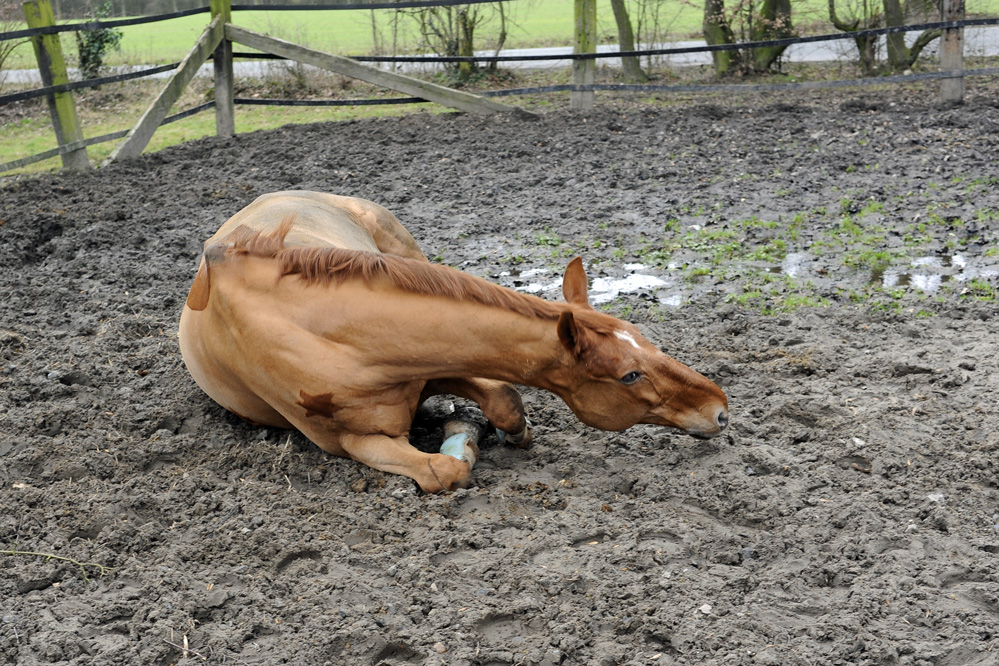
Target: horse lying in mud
320, 312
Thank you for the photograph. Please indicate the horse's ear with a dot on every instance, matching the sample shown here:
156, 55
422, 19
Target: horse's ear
574, 283
573, 336
197, 298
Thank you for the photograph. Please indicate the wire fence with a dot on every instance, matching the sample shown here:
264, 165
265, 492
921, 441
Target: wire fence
497, 58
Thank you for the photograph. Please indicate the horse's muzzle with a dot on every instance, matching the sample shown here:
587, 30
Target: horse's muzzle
721, 422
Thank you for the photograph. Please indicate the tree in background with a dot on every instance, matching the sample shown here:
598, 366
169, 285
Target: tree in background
93, 45
11, 19
626, 42
870, 14
756, 22
451, 31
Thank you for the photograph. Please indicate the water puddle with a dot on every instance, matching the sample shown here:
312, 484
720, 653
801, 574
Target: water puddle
929, 273
603, 289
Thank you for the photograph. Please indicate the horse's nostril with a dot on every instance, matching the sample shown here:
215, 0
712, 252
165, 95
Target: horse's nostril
722, 419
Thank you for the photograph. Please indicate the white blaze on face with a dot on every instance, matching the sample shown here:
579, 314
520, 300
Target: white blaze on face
621, 335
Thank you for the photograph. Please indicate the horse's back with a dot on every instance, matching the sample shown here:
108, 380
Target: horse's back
325, 220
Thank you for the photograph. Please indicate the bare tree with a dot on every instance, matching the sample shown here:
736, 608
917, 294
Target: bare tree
869, 14
11, 19
451, 31
626, 42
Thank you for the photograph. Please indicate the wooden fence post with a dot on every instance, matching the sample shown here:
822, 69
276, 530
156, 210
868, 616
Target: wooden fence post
138, 137
225, 120
952, 52
583, 71
52, 68
456, 99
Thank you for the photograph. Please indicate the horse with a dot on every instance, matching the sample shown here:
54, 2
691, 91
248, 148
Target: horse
320, 312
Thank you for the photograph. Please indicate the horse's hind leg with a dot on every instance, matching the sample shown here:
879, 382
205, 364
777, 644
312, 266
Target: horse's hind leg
387, 232
499, 401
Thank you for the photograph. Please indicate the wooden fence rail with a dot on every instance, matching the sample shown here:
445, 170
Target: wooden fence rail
218, 37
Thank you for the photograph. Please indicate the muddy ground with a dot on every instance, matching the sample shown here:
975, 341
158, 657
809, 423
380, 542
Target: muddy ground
829, 259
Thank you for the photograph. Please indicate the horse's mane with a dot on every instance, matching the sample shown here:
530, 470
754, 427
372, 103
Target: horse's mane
331, 265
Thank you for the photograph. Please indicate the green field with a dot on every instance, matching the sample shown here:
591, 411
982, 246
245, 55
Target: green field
530, 23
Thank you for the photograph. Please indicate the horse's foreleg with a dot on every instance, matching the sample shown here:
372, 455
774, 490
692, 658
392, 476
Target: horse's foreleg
499, 401
433, 472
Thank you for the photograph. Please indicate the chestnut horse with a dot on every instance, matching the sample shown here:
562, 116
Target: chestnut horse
320, 312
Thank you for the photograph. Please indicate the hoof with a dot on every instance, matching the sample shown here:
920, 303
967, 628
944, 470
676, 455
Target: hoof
519, 440
461, 446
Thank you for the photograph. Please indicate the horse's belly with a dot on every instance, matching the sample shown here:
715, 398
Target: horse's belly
221, 385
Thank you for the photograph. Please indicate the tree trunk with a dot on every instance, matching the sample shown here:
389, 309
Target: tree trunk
865, 45
626, 42
501, 40
717, 31
898, 52
772, 22
466, 31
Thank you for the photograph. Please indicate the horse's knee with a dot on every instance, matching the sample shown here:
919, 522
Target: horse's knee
505, 409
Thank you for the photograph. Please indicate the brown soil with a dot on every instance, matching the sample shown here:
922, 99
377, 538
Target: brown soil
849, 516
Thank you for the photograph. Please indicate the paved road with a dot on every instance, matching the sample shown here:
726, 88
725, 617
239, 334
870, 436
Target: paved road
979, 41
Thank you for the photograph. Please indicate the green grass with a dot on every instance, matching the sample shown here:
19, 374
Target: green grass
530, 23
35, 134
350, 32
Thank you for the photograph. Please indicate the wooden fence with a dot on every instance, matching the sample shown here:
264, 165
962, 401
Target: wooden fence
218, 37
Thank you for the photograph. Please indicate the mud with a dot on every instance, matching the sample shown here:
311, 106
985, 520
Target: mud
850, 515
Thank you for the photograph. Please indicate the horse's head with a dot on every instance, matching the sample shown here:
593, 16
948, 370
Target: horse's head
616, 378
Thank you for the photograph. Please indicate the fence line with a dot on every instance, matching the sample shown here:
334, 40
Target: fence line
155, 18
77, 145
93, 83
325, 59
871, 32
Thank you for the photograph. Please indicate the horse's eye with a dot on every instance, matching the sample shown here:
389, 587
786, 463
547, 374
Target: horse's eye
631, 378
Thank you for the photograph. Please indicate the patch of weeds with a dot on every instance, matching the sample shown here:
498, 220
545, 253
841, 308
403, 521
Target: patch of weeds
773, 251
892, 306
871, 207
979, 290
876, 260
924, 314
986, 215
547, 237
756, 223
797, 301
697, 273
745, 298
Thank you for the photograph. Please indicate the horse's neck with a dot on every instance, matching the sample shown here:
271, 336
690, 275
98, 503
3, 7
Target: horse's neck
421, 337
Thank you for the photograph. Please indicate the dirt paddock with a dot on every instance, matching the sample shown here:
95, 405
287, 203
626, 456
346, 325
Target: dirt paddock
830, 260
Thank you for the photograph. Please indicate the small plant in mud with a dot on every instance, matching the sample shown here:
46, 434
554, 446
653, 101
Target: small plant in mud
876, 260
547, 237
773, 251
979, 290
696, 273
